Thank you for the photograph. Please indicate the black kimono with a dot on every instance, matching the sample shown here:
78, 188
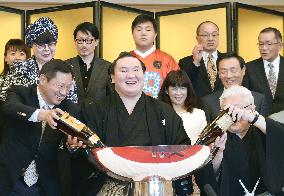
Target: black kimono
151, 123
253, 157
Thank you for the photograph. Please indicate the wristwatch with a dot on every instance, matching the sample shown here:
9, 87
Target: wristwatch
256, 115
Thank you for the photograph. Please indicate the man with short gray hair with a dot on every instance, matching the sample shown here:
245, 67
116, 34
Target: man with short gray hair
254, 149
266, 74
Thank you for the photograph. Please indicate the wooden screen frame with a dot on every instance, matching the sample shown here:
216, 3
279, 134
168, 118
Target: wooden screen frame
236, 7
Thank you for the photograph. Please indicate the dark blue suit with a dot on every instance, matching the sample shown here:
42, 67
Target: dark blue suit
199, 76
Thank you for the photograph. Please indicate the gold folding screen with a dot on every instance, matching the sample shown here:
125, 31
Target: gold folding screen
176, 33
116, 29
66, 21
178, 30
250, 23
11, 28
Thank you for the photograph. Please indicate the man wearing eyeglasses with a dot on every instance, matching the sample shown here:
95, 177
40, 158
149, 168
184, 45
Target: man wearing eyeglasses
231, 69
201, 65
92, 81
266, 74
91, 72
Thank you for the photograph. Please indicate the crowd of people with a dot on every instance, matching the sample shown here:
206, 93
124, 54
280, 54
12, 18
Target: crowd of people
143, 98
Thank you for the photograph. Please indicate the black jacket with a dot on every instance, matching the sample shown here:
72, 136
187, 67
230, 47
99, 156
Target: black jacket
256, 80
199, 76
21, 140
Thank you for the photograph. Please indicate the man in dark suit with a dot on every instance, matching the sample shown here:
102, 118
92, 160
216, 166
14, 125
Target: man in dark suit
91, 73
231, 69
266, 74
30, 143
201, 65
92, 81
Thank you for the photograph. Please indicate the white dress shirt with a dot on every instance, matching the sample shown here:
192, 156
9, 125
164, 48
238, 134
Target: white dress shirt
205, 58
42, 104
276, 64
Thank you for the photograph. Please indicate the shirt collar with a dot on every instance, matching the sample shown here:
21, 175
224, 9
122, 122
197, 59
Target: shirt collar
81, 62
206, 54
41, 101
144, 54
275, 63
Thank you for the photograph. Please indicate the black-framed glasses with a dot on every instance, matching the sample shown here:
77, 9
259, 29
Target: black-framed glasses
87, 41
267, 44
207, 35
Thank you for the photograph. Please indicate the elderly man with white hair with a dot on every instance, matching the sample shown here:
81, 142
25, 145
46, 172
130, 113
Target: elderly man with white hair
253, 157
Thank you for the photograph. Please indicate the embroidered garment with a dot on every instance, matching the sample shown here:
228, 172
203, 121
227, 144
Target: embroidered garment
5, 83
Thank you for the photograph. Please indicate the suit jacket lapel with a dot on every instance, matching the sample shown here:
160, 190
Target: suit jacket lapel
96, 72
216, 100
34, 99
78, 77
280, 76
261, 76
218, 83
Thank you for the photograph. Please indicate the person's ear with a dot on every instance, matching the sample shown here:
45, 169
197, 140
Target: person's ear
112, 79
97, 42
42, 79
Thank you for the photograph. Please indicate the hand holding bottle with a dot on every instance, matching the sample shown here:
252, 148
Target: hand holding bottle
50, 116
74, 143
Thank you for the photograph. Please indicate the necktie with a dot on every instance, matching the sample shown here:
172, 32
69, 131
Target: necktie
211, 71
272, 79
31, 175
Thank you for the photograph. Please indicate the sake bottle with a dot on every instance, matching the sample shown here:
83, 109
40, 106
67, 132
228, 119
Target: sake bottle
216, 128
71, 126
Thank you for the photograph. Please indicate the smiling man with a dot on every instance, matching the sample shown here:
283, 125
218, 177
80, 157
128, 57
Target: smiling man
201, 65
266, 74
130, 118
157, 62
231, 69
28, 151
